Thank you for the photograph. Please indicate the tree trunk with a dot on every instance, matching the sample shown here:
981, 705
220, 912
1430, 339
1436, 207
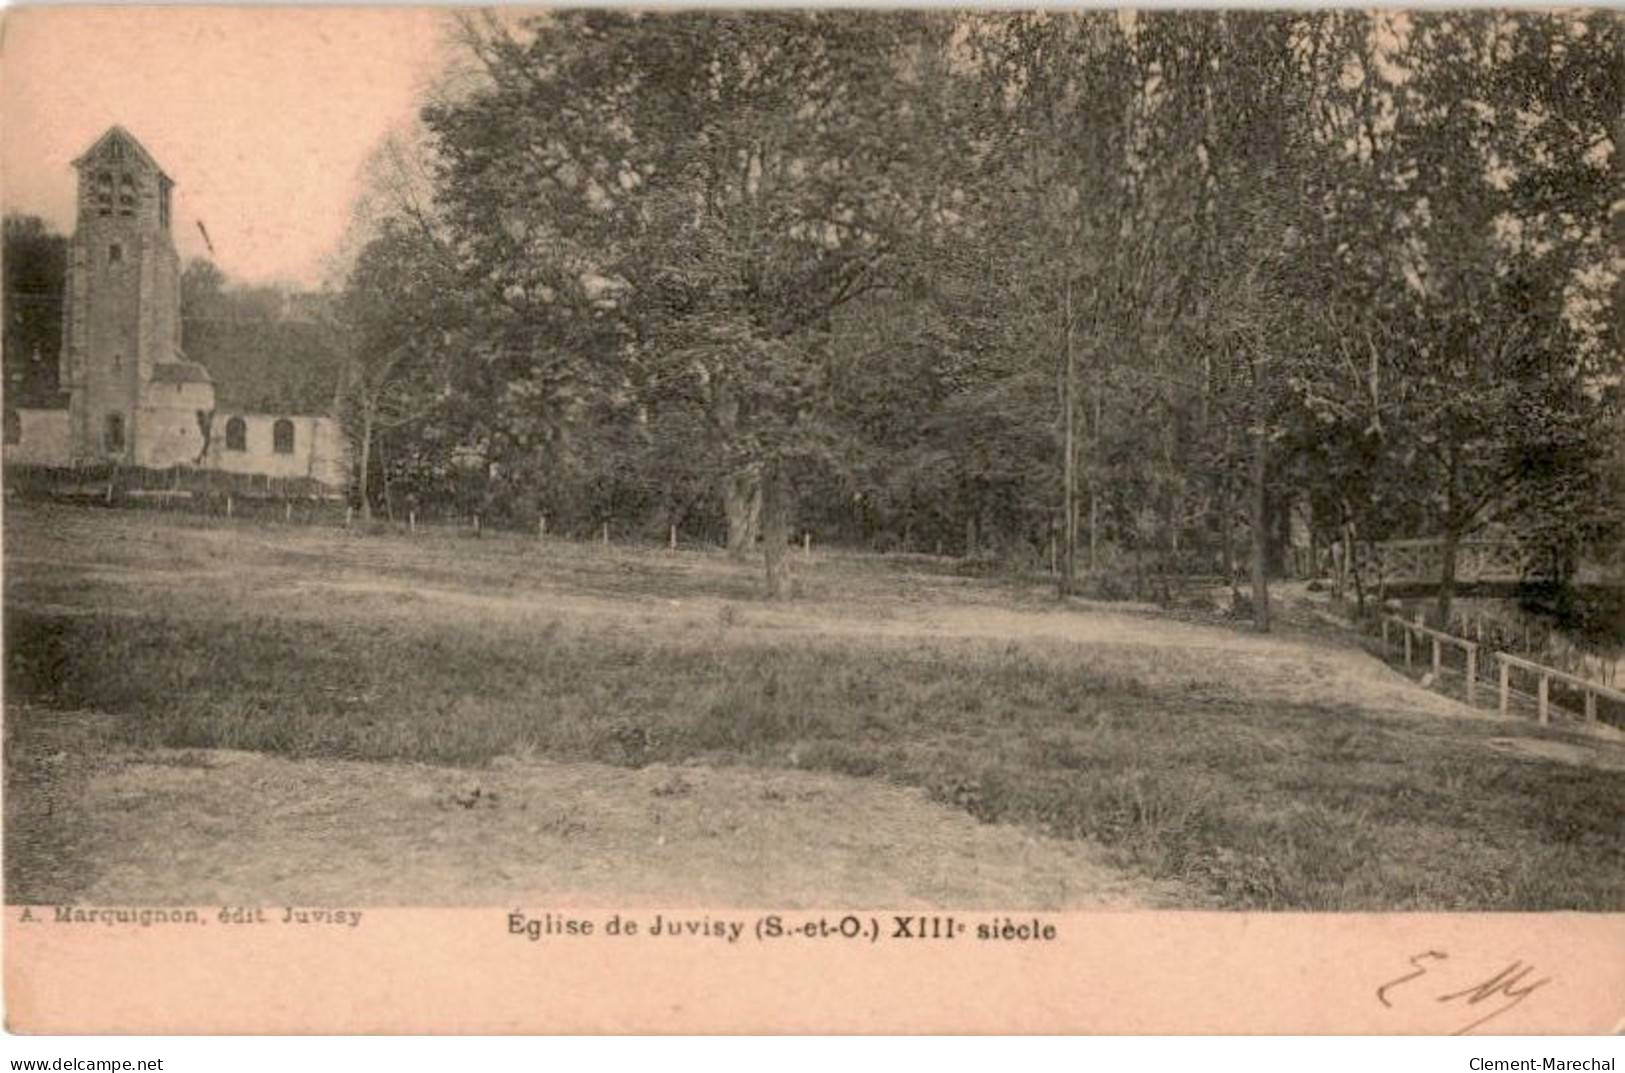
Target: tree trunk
1094, 480
1452, 538
1170, 561
366, 462
1069, 508
1345, 556
1225, 497
1261, 538
1280, 561
1447, 577
1355, 575
383, 474
774, 501
742, 502
1314, 543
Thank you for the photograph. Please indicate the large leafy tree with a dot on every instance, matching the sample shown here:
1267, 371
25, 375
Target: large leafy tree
698, 193
398, 325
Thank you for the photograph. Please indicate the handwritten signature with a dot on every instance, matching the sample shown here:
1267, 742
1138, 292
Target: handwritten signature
1509, 983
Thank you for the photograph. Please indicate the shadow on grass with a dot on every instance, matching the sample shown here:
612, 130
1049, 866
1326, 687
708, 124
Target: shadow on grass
1268, 806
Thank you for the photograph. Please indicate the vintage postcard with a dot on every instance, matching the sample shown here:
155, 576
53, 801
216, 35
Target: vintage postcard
600, 520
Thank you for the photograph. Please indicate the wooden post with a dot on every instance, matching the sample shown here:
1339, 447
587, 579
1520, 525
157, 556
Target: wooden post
287, 512
1052, 553
348, 511
1472, 672
1385, 637
1506, 682
1407, 644
1435, 658
1591, 707
1542, 699
412, 521
671, 541
606, 534
806, 544
228, 504
541, 528
476, 524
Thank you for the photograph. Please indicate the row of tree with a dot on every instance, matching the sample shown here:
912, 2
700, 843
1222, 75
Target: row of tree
1138, 284
1144, 289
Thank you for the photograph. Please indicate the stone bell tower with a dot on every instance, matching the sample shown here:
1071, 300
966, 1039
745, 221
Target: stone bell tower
123, 299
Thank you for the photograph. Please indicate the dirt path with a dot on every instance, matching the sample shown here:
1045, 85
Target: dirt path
215, 827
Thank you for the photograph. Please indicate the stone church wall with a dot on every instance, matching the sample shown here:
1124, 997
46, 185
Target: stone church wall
44, 438
318, 448
169, 433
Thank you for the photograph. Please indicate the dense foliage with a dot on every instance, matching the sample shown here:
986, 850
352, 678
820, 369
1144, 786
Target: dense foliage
877, 274
35, 260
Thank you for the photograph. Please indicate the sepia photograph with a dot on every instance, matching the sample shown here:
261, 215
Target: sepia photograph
597, 465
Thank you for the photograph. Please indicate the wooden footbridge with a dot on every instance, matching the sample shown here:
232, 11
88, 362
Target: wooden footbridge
1415, 566
1483, 567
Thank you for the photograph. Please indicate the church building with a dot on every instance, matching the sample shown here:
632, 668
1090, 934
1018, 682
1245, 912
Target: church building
133, 397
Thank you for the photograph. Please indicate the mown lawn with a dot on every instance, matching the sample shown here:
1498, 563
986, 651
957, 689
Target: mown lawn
1259, 803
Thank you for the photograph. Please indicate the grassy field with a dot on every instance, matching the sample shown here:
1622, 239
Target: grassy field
1289, 772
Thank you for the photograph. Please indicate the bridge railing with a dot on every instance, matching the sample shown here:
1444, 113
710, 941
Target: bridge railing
1421, 561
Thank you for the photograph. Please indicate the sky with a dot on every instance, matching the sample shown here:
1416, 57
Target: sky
262, 117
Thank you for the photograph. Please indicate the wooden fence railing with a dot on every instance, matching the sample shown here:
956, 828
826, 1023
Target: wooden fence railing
1415, 630
1546, 675
1438, 637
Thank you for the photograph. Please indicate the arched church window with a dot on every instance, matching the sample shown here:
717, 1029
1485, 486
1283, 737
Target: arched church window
14, 426
102, 193
113, 439
282, 436
236, 434
126, 195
